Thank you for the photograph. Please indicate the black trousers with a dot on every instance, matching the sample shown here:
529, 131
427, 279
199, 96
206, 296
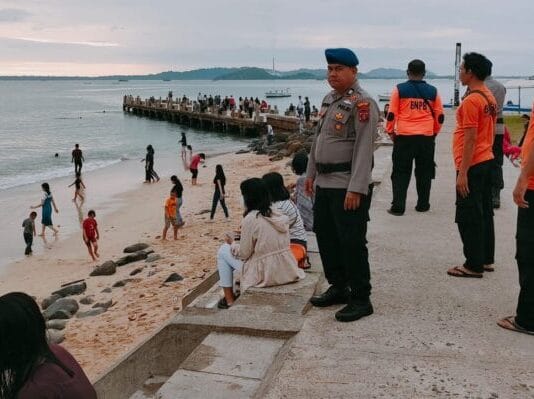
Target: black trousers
28, 239
474, 216
525, 263
406, 149
497, 180
341, 236
217, 198
77, 166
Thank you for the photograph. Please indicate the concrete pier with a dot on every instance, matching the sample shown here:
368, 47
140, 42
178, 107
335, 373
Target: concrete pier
231, 122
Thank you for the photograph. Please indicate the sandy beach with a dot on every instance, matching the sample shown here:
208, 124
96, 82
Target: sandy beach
144, 303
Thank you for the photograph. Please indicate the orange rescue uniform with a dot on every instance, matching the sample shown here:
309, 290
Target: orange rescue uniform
410, 115
476, 111
528, 147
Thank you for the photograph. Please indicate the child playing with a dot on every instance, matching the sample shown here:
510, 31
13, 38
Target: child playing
79, 187
170, 216
91, 234
29, 232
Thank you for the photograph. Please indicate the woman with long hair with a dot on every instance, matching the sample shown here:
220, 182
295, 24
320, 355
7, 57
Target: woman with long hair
281, 201
46, 204
219, 194
261, 251
30, 367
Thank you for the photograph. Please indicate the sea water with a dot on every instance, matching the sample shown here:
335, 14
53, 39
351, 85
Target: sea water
41, 118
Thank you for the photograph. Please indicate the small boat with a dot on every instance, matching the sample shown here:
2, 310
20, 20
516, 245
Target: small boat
383, 97
278, 93
123, 80
166, 80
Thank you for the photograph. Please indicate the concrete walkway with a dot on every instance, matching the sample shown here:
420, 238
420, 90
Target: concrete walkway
431, 336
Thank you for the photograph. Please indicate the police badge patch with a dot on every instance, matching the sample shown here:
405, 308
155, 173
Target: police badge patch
339, 116
363, 111
339, 126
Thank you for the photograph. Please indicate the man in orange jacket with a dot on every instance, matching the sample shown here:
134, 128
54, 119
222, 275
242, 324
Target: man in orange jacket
473, 157
414, 119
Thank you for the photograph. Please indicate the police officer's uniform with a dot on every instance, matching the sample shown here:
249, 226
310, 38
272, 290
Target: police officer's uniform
341, 160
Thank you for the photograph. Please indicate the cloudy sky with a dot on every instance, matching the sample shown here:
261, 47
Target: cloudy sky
101, 37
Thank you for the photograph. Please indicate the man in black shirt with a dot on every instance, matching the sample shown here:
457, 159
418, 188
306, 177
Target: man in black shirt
77, 158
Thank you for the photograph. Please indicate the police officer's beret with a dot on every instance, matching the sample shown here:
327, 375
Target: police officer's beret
342, 56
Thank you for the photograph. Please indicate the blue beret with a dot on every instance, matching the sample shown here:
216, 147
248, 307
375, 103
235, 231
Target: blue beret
342, 56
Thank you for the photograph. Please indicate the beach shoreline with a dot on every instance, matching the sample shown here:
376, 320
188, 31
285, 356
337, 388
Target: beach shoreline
103, 195
145, 303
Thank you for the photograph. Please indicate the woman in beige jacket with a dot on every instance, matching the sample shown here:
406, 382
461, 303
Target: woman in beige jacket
262, 254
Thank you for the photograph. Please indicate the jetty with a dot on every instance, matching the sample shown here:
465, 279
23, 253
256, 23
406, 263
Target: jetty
189, 114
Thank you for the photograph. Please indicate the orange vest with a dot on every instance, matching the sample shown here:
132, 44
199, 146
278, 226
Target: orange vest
415, 108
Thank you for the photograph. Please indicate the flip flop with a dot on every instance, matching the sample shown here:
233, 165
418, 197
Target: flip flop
457, 272
489, 268
508, 323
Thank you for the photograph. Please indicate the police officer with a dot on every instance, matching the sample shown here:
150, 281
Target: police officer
339, 169
414, 118
497, 182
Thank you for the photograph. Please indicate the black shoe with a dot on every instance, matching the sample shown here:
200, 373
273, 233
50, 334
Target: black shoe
420, 208
393, 212
354, 311
332, 296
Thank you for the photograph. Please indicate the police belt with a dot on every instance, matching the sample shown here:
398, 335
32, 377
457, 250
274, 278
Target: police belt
324, 168
500, 120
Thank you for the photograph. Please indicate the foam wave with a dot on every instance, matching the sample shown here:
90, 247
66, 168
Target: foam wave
27, 178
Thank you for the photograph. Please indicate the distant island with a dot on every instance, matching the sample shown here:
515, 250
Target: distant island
242, 73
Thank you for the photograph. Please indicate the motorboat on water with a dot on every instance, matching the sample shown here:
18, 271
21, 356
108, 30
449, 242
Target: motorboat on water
383, 97
278, 93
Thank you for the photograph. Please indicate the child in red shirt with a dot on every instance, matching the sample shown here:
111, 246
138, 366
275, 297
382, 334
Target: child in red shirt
91, 234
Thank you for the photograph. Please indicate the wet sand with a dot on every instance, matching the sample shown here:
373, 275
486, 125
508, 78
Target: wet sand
144, 304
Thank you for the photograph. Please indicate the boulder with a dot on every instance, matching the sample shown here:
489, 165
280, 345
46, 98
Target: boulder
106, 290
153, 257
61, 308
243, 152
49, 301
55, 336
104, 305
105, 269
135, 248
121, 283
277, 157
293, 147
56, 324
136, 271
88, 300
90, 313
72, 289
173, 277
133, 257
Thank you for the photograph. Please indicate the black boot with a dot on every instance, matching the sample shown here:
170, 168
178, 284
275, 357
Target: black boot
356, 309
332, 296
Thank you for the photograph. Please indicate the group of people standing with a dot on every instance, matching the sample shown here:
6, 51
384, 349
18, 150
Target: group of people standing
339, 173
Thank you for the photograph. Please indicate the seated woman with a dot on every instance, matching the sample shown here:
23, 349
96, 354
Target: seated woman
30, 368
262, 253
281, 201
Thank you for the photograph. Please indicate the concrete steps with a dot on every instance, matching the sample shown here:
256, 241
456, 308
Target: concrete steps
223, 366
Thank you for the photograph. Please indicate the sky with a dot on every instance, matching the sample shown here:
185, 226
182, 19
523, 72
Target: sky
106, 37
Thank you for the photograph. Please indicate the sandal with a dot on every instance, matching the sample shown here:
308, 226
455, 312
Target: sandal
222, 304
508, 323
489, 268
458, 272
